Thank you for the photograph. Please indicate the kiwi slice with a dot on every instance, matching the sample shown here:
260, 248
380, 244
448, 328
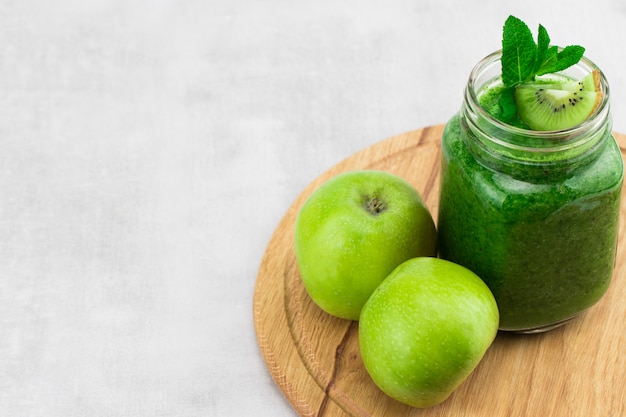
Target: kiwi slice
558, 106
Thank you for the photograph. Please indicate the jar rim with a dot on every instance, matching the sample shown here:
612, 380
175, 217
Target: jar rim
505, 147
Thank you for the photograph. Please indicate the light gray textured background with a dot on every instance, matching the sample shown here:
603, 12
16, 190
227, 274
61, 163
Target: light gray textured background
149, 148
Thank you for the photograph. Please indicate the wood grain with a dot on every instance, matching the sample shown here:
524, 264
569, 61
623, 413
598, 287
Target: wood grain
576, 370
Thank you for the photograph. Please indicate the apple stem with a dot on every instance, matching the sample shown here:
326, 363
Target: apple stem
374, 205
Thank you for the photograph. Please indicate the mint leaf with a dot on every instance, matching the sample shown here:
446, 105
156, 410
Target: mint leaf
549, 61
507, 105
519, 52
559, 61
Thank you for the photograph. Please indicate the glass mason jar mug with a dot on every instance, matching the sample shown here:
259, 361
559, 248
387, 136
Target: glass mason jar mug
534, 214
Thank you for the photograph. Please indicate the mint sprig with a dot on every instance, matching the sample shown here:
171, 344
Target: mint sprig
523, 59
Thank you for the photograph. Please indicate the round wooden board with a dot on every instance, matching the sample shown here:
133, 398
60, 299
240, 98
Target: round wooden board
576, 370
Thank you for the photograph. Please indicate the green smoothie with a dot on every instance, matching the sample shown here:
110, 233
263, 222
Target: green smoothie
531, 180
545, 248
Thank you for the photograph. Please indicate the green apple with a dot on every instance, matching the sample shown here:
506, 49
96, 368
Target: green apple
425, 329
353, 231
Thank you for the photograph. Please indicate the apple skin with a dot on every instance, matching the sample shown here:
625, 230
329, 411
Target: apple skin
344, 250
425, 329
